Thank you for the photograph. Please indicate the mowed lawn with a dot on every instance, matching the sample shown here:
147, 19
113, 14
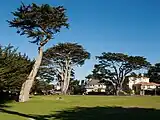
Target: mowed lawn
83, 108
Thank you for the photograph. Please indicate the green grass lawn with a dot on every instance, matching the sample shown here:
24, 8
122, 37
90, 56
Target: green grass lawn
83, 108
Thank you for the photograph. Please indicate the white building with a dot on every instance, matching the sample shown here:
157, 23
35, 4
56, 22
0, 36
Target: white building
141, 84
136, 80
138, 85
95, 86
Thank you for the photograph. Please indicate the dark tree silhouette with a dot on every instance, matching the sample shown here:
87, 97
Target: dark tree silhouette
14, 69
154, 73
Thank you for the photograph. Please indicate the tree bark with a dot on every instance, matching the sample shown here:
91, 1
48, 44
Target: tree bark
67, 80
27, 85
64, 86
119, 89
61, 86
62, 81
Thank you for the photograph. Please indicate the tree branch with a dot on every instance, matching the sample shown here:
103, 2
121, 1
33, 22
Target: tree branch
109, 81
44, 42
115, 69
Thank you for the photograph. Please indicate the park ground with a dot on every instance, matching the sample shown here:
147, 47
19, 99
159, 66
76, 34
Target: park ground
83, 108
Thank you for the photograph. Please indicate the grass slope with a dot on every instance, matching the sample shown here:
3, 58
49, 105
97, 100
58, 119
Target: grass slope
83, 108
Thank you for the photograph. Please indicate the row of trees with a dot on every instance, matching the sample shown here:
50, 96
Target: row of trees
112, 69
58, 64
41, 23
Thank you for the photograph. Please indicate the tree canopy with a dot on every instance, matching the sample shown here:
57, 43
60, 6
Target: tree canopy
67, 51
154, 73
14, 68
39, 22
114, 67
63, 57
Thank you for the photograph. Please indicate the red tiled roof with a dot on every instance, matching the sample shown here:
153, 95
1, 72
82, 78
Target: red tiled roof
148, 83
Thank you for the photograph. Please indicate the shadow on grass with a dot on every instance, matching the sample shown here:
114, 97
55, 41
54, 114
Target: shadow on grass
96, 113
4, 100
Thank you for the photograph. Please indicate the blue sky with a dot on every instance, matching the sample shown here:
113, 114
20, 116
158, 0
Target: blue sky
128, 26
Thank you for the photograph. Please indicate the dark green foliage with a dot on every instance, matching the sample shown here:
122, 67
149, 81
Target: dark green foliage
117, 65
71, 51
50, 73
154, 73
128, 63
41, 87
14, 68
39, 22
75, 88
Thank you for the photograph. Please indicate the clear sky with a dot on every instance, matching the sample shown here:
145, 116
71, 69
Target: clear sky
128, 26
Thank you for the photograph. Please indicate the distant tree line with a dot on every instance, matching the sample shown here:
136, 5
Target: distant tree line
112, 69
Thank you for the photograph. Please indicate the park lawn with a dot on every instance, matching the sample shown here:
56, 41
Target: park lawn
83, 108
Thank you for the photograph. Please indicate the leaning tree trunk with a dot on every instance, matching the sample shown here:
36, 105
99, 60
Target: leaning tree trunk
27, 85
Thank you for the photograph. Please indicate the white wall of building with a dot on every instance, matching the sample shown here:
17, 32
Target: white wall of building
146, 87
91, 88
134, 80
